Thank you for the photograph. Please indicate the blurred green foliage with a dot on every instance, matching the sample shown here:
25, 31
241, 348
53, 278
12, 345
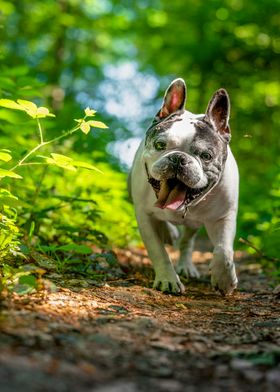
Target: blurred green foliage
118, 57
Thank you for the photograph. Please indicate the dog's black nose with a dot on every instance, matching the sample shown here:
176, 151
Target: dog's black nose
174, 158
178, 159
183, 160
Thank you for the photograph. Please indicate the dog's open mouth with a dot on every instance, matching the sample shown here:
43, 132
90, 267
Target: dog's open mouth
173, 193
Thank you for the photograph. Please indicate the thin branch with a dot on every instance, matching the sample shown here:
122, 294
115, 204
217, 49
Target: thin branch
42, 144
34, 163
27, 155
258, 251
40, 131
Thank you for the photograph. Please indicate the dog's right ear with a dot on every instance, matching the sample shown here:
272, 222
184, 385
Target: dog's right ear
174, 99
217, 113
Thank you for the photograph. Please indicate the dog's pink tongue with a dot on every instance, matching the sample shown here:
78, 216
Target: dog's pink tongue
170, 198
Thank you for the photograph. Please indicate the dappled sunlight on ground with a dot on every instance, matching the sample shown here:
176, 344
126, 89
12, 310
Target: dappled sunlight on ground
73, 338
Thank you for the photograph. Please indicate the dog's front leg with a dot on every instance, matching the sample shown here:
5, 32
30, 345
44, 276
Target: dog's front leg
222, 233
185, 265
166, 278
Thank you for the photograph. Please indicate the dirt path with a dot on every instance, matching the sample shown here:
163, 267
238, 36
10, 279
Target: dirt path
125, 337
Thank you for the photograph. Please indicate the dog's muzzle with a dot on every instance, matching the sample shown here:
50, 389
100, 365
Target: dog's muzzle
183, 184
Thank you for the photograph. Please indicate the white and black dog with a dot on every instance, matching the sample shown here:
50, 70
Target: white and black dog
184, 173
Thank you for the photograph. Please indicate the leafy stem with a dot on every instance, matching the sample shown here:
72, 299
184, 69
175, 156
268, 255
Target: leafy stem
37, 113
42, 144
40, 131
27, 156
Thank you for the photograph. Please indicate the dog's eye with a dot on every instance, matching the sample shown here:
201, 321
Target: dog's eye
160, 145
206, 156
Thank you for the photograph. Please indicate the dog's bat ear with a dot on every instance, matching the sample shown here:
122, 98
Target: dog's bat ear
174, 98
218, 111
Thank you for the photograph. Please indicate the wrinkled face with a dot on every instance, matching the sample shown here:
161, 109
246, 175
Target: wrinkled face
184, 153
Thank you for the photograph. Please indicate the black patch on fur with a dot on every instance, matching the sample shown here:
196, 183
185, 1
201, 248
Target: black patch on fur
213, 140
205, 131
158, 127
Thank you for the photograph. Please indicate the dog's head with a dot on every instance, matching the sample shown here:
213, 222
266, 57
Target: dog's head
185, 153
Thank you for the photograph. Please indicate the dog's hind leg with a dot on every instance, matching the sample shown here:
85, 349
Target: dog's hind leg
169, 233
185, 265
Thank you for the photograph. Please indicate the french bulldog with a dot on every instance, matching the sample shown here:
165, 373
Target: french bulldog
184, 174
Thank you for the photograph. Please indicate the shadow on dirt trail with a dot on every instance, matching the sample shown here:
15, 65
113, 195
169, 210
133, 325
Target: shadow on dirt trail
125, 337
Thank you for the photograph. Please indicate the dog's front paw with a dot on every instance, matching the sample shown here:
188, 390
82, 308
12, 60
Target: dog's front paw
223, 277
188, 271
169, 284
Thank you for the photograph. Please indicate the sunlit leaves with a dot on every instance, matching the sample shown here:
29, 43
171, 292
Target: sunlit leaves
85, 165
28, 107
61, 161
97, 124
68, 163
9, 173
26, 284
22, 280
5, 156
86, 125
7, 198
89, 112
9, 104
9, 244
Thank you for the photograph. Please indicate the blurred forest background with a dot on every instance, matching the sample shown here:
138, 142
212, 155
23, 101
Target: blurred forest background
117, 57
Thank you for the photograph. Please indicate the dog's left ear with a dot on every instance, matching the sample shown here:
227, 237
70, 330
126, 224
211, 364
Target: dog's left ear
218, 111
174, 99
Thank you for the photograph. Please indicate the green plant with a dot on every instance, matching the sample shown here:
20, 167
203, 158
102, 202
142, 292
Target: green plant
59, 160
22, 279
264, 240
9, 231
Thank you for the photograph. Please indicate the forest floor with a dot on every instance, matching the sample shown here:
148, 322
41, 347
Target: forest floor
123, 336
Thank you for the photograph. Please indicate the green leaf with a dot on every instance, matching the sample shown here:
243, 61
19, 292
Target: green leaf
26, 284
97, 124
43, 260
81, 249
4, 156
68, 163
6, 83
31, 230
65, 166
86, 165
28, 269
85, 127
62, 161
43, 112
8, 173
9, 201
30, 280
22, 289
89, 112
61, 158
9, 104
33, 111
27, 105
